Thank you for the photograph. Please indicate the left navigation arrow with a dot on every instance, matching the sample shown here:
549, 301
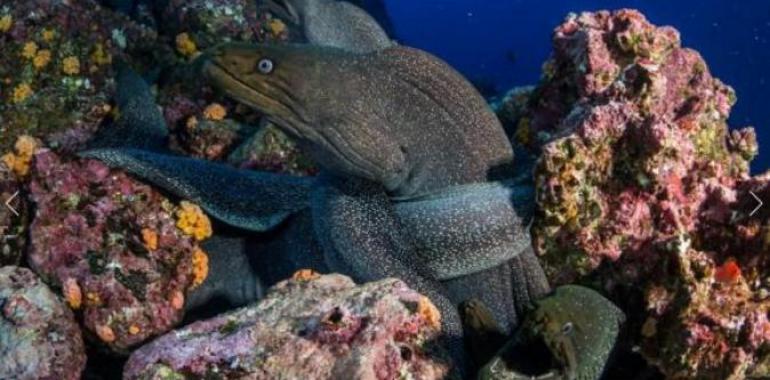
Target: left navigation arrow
8, 203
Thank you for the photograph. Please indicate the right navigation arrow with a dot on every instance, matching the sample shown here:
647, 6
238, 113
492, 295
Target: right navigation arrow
758, 205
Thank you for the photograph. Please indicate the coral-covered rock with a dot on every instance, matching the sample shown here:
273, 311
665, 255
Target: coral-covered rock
200, 24
271, 150
210, 139
55, 71
312, 327
642, 186
114, 247
644, 149
39, 338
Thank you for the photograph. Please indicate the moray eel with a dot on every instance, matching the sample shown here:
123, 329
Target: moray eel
334, 23
386, 127
398, 117
416, 180
568, 336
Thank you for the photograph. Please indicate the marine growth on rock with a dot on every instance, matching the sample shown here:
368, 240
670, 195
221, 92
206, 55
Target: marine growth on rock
39, 338
311, 326
121, 254
56, 75
642, 186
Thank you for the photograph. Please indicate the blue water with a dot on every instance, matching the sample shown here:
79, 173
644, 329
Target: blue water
504, 42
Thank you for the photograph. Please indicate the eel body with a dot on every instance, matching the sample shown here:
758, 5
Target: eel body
333, 23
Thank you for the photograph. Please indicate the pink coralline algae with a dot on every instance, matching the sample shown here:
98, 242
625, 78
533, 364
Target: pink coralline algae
308, 327
56, 67
641, 185
111, 246
39, 338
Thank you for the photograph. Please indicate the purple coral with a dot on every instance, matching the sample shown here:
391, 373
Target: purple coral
39, 338
641, 185
112, 246
308, 327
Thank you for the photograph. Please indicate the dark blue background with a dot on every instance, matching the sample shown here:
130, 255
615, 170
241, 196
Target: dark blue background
475, 36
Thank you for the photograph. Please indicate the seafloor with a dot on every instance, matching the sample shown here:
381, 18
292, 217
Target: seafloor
642, 197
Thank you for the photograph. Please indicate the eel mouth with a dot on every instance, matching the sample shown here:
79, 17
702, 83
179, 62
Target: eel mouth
529, 357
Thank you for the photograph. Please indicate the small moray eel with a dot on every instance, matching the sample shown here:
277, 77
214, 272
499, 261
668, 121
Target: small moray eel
334, 23
569, 335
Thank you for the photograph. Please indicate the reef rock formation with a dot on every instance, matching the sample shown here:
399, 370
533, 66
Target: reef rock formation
641, 185
56, 67
122, 255
210, 22
39, 338
310, 326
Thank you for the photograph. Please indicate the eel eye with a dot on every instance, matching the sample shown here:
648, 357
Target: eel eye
265, 66
566, 328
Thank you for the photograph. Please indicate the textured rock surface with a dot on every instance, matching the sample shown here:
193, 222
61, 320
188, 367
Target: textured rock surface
214, 21
271, 150
121, 253
39, 338
646, 147
643, 190
311, 326
56, 67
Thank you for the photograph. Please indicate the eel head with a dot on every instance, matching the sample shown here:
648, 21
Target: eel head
569, 335
316, 95
273, 80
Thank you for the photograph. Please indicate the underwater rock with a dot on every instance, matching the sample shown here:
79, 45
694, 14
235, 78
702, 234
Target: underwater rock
209, 22
642, 149
642, 186
271, 150
39, 338
511, 108
211, 139
56, 72
311, 326
121, 254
